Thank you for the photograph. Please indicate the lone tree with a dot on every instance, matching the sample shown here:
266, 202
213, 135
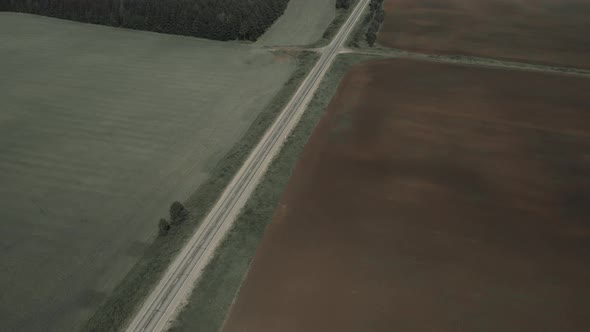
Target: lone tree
178, 213
163, 226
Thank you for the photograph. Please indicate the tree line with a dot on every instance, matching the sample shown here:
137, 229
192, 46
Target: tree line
212, 19
376, 17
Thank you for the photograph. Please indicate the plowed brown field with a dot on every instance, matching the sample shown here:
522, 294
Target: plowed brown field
543, 31
433, 197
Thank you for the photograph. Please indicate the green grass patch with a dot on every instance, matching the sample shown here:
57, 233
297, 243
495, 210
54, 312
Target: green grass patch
211, 300
302, 23
125, 299
101, 129
332, 29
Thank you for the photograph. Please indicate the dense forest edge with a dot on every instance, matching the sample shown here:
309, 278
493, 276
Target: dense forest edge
211, 19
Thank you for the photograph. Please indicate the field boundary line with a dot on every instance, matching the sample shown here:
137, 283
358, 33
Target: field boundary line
472, 61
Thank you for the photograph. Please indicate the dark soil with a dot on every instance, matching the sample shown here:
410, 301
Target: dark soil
543, 31
433, 197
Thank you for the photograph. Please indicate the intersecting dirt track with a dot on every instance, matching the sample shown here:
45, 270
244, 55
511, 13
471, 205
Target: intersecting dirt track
433, 197
548, 32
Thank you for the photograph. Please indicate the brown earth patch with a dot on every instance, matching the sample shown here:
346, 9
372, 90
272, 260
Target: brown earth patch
456, 200
281, 58
543, 31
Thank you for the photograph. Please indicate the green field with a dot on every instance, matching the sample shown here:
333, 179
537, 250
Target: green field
303, 23
100, 129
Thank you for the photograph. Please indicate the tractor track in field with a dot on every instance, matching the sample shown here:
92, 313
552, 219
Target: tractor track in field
471, 61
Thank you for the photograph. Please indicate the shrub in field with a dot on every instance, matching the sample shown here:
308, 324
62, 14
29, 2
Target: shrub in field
371, 37
163, 227
178, 213
343, 3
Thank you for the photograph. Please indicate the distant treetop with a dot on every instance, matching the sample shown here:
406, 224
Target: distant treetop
212, 19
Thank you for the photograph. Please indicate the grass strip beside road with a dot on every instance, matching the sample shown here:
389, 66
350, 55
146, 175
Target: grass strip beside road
334, 27
211, 300
129, 294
